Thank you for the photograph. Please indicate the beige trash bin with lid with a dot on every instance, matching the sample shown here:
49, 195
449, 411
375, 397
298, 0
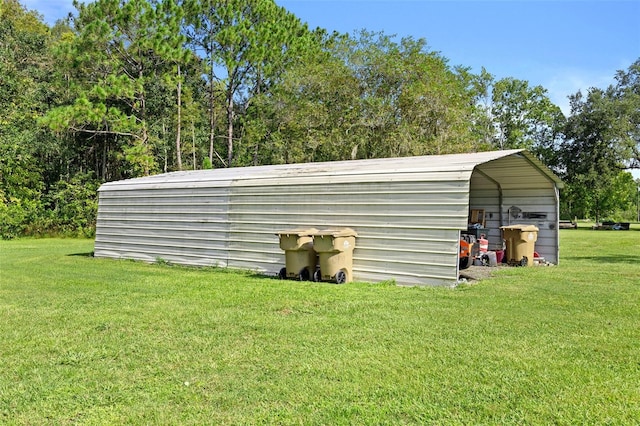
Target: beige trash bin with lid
300, 258
520, 241
335, 250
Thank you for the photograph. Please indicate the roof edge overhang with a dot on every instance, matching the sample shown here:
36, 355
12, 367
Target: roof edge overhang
533, 160
461, 164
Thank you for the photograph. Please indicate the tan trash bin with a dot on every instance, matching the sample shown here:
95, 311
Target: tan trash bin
300, 258
520, 241
335, 249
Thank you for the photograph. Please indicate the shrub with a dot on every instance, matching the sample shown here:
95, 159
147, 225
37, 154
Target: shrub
15, 214
74, 206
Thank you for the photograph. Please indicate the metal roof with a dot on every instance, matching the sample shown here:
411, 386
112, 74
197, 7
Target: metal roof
460, 164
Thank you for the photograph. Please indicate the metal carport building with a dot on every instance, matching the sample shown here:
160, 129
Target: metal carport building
408, 212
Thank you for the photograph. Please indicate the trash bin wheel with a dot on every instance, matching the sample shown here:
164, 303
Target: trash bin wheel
524, 261
282, 274
341, 277
304, 275
317, 276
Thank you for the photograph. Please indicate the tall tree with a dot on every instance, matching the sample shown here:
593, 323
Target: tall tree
122, 48
173, 46
372, 96
201, 28
602, 141
311, 115
524, 115
483, 128
248, 40
626, 96
24, 78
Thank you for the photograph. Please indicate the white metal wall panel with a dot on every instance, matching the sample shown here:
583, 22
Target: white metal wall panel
407, 230
149, 222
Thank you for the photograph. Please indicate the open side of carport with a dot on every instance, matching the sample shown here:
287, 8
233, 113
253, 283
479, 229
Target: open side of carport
518, 189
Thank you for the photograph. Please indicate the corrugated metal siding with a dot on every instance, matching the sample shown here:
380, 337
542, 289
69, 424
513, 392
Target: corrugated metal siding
406, 230
183, 226
407, 211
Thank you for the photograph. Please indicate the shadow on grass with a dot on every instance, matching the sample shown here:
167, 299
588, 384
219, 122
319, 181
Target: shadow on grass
635, 260
89, 254
262, 275
275, 277
272, 276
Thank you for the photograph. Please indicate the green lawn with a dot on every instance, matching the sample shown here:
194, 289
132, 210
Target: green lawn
96, 341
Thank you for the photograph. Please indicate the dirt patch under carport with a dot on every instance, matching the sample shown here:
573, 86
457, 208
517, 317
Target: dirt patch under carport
478, 273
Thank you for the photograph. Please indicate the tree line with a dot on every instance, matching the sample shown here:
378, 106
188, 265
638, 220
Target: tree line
127, 88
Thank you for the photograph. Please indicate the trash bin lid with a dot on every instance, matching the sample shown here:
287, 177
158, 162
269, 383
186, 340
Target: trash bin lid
300, 232
337, 232
521, 228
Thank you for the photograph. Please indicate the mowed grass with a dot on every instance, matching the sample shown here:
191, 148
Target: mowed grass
98, 341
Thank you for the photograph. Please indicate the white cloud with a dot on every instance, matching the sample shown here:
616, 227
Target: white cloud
565, 82
561, 82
